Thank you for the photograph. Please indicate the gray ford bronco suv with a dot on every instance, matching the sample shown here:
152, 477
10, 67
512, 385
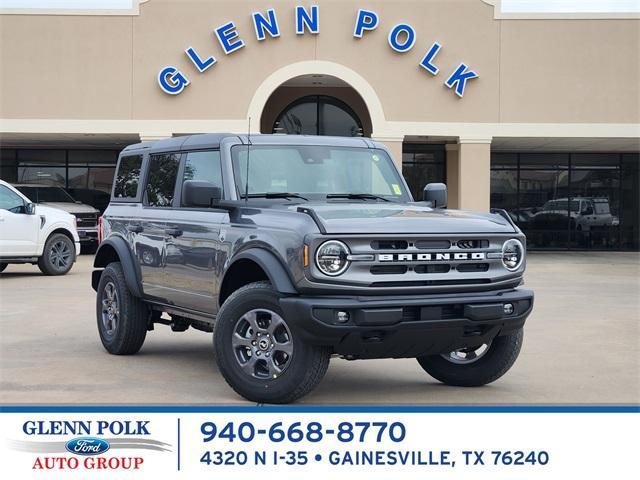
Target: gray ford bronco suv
291, 249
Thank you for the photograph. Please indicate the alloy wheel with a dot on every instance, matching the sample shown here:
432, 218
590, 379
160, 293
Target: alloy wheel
262, 344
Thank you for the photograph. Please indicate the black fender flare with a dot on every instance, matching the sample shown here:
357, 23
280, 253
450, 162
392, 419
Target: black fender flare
130, 267
273, 267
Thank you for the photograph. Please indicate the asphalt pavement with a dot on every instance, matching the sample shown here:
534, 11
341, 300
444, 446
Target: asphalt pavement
581, 345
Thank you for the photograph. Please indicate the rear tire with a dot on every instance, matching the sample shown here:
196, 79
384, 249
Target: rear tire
58, 255
498, 358
259, 353
122, 318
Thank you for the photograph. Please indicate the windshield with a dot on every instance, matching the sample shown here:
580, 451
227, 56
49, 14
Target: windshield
46, 194
313, 171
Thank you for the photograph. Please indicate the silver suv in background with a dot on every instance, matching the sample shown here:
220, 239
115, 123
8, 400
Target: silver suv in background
57, 197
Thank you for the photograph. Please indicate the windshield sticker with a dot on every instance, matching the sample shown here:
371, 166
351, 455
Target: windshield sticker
396, 189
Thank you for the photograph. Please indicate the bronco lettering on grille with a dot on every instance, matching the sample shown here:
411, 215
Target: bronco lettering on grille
430, 257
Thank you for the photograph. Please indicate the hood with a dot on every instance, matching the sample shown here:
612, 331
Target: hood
354, 218
52, 212
71, 207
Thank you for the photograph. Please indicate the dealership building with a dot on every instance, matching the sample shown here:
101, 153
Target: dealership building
534, 112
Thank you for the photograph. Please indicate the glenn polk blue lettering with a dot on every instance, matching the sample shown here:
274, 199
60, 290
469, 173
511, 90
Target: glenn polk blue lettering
366, 20
310, 21
200, 64
172, 81
263, 24
427, 61
228, 38
396, 34
459, 78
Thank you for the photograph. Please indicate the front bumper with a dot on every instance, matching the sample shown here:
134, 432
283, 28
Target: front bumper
408, 325
88, 235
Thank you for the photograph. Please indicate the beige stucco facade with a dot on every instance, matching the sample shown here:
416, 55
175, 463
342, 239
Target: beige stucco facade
538, 78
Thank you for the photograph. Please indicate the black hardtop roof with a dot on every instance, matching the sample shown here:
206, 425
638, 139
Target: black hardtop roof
213, 140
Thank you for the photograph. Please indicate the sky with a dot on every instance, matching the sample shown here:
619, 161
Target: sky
508, 6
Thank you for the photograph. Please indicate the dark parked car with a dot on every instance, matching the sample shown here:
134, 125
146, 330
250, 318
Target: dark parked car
292, 249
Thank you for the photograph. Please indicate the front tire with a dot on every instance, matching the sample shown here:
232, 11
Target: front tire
58, 255
473, 367
258, 351
122, 318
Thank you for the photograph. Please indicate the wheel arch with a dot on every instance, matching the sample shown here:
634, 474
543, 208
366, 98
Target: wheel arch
116, 249
253, 265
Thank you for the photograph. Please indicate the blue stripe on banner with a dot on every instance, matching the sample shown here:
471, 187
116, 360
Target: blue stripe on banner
320, 409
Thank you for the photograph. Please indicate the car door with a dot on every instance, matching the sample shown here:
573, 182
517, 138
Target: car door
196, 248
150, 236
18, 230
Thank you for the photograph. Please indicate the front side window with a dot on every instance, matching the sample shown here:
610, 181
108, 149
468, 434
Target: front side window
316, 171
128, 177
10, 200
203, 166
163, 172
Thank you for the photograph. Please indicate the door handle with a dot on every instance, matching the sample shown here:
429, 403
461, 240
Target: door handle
174, 232
135, 228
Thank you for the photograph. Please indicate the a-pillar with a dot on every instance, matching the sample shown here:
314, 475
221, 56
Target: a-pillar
394, 145
473, 189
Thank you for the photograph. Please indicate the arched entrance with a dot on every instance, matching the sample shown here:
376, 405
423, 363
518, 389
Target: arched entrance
318, 115
316, 104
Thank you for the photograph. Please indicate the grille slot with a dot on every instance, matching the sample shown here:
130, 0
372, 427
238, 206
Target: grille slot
388, 269
432, 283
389, 245
433, 244
432, 268
473, 243
473, 267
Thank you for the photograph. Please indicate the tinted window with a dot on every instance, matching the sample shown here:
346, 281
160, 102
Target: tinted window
163, 171
128, 176
203, 166
10, 200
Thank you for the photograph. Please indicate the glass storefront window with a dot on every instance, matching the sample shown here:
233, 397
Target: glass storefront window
54, 176
41, 157
422, 164
578, 201
92, 157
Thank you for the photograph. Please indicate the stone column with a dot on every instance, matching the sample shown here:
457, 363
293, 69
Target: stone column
453, 177
153, 136
394, 144
474, 174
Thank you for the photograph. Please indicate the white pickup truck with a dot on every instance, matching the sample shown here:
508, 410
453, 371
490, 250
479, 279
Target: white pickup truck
36, 234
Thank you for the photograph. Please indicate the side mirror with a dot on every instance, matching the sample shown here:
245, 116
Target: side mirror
196, 193
436, 194
30, 208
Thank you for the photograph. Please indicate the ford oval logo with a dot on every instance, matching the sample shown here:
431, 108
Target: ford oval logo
87, 446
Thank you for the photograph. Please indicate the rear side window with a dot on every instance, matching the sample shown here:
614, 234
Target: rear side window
127, 177
161, 184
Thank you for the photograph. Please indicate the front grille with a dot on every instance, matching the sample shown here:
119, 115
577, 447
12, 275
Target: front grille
427, 260
86, 219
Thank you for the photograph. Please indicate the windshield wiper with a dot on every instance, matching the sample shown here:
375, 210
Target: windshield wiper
286, 195
358, 196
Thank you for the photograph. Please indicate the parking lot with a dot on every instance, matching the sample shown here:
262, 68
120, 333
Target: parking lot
581, 346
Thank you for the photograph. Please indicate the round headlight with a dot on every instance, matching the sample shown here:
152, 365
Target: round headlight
512, 254
331, 257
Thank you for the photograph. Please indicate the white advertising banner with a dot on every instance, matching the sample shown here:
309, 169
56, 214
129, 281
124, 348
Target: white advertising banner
319, 442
